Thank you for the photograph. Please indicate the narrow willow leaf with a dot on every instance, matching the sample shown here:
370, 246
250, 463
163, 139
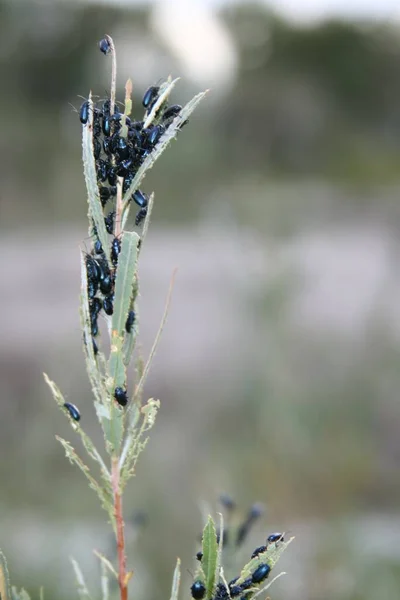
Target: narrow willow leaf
104, 416
134, 416
104, 494
210, 556
126, 273
105, 583
104, 560
91, 363
270, 556
41, 593
83, 592
176, 580
163, 94
130, 339
220, 547
87, 442
114, 429
268, 585
57, 395
147, 220
165, 139
5, 590
93, 452
95, 213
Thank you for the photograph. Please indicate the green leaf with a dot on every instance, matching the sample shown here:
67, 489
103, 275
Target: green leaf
105, 583
162, 144
270, 556
210, 556
87, 442
104, 493
163, 93
125, 280
147, 219
95, 213
83, 592
126, 274
176, 580
92, 365
220, 547
5, 590
104, 560
130, 339
265, 587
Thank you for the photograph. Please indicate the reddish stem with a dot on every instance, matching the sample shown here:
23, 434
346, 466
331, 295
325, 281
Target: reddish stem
122, 578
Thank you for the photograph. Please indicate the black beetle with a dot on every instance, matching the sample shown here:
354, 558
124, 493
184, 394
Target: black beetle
198, 590
142, 213
261, 573
95, 306
98, 248
108, 305
106, 284
122, 149
258, 551
120, 396
104, 46
150, 95
112, 175
92, 288
115, 250
140, 198
96, 148
109, 221
73, 411
130, 321
152, 135
84, 113
101, 170
172, 111
106, 126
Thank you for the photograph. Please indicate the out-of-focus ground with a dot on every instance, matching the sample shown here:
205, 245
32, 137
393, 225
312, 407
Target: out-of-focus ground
278, 370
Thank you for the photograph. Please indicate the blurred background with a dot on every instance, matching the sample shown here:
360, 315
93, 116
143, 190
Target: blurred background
278, 370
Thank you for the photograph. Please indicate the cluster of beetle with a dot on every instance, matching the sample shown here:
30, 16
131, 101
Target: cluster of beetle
245, 588
119, 155
120, 146
236, 588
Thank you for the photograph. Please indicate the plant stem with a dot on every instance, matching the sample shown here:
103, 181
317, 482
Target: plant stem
113, 73
122, 578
